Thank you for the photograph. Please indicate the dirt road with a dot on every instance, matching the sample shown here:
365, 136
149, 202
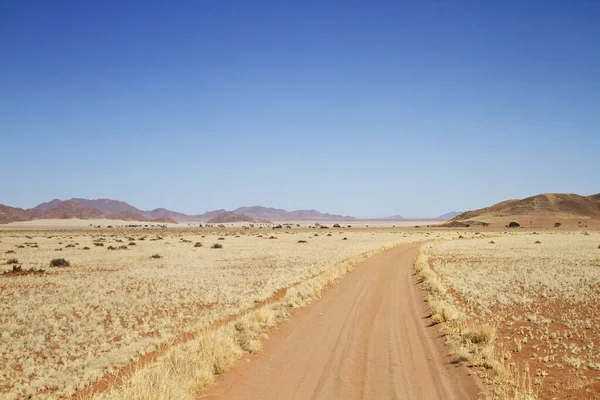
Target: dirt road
367, 338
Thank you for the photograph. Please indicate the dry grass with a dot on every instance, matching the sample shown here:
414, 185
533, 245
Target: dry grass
523, 306
70, 326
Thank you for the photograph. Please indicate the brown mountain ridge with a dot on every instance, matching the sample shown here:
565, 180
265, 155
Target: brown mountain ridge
116, 209
549, 207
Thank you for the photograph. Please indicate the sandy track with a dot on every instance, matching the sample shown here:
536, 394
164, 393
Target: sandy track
367, 338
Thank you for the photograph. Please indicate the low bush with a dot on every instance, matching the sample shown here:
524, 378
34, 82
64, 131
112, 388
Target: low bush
12, 261
59, 262
156, 255
216, 246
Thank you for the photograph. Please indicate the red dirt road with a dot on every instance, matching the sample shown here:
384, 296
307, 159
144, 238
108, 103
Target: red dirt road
367, 338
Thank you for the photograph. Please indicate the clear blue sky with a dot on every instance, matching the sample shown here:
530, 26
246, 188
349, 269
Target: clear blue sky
360, 108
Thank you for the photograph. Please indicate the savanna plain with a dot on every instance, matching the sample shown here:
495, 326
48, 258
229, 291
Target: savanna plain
125, 298
123, 313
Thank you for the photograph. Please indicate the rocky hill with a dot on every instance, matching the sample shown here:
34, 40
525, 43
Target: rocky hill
543, 207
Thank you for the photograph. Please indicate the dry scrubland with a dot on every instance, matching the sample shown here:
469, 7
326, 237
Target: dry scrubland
63, 329
525, 307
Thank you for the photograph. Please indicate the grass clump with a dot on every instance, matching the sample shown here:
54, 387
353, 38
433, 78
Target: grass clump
155, 256
216, 246
59, 262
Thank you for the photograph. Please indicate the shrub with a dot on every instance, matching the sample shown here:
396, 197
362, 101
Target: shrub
60, 262
336, 226
345, 239
9, 251
16, 268
198, 244
12, 261
99, 244
122, 247
537, 242
221, 238
85, 248
513, 225
272, 237
557, 224
329, 234
216, 246
132, 244
301, 241
155, 255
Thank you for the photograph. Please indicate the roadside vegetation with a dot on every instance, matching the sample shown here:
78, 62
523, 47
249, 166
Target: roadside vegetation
520, 309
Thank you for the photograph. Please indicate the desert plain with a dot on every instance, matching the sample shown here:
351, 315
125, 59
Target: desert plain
132, 311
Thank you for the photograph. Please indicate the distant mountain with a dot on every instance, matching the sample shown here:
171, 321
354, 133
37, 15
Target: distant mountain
107, 206
78, 208
64, 210
46, 206
278, 214
449, 215
207, 215
550, 206
10, 214
164, 213
116, 209
230, 217
394, 218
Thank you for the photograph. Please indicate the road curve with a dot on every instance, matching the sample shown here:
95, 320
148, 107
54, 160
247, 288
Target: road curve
367, 338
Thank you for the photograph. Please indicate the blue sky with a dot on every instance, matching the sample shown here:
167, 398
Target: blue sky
360, 108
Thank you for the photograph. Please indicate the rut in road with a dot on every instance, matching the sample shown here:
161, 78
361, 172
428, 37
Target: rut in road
367, 338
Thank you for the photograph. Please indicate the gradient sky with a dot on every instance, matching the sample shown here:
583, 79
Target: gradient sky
360, 108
